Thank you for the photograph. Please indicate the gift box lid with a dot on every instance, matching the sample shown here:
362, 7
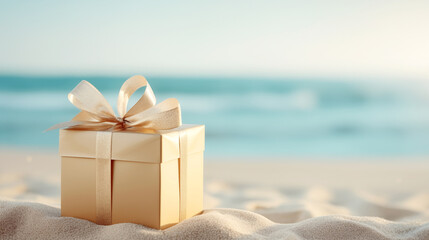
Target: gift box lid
142, 146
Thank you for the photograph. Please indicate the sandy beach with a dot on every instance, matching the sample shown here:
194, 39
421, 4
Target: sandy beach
291, 199
312, 119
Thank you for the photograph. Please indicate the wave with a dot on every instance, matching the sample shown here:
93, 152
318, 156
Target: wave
299, 98
248, 117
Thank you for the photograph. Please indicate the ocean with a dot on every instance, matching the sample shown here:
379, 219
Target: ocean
246, 117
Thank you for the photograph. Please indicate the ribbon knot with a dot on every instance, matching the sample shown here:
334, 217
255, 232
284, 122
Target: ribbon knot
96, 113
121, 124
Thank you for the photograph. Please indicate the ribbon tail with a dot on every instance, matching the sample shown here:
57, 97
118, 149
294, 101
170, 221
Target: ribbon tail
83, 125
65, 125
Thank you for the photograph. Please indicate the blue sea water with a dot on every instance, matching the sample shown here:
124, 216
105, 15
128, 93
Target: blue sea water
246, 117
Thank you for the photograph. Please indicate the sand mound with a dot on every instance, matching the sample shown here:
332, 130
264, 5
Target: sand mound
25, 220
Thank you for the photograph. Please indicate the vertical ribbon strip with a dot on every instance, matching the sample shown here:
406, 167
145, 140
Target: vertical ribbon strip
103, 177
183, 173
103, 180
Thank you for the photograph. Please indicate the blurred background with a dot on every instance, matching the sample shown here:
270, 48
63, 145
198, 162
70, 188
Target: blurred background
340, 79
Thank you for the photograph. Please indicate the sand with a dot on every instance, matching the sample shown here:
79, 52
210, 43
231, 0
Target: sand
244, 199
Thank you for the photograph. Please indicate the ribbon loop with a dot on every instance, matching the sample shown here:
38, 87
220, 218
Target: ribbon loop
146, 101
165, 115
87, 98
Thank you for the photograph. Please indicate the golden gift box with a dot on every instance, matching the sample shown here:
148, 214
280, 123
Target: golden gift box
143, 167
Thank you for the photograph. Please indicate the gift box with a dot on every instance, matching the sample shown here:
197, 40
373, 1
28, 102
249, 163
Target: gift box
144, 167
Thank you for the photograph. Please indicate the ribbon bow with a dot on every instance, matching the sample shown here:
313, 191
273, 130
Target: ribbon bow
97, 114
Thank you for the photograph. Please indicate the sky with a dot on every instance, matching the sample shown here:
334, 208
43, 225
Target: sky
387, 39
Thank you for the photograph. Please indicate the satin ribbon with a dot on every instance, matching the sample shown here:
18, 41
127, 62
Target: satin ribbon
97, 115
103, 181
183, 173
